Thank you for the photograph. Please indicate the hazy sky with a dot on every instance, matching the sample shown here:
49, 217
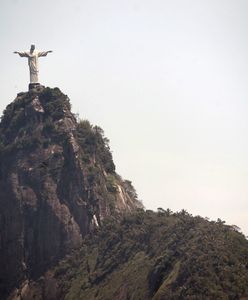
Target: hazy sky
166, 80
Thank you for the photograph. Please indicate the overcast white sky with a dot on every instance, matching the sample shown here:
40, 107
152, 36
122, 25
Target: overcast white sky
166, 80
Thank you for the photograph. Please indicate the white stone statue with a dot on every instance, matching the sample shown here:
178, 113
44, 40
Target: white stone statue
32, 56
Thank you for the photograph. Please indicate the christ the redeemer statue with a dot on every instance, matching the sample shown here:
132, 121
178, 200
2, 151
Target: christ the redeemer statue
33, 56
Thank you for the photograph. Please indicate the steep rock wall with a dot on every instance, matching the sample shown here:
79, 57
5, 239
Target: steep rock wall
57, 182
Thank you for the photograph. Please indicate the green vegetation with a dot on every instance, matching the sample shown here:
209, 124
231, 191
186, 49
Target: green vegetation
111, 184
130, 189
95, 145
24, 128
49, 127
55, 103
149, 255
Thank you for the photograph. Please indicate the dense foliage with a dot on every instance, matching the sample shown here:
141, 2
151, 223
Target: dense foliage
23, 129
160, 255
95, 144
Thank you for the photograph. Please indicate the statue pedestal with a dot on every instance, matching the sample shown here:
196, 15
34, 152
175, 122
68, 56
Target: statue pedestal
33, 86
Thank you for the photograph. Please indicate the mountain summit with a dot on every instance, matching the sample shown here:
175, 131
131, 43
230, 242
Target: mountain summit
57, 183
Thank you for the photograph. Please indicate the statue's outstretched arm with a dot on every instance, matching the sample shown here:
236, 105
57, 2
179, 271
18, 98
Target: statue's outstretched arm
22, 54
44, 53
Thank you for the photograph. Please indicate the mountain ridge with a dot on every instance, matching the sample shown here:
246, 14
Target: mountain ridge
151, 256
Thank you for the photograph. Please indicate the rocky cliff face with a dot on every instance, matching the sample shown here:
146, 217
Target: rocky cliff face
57, 182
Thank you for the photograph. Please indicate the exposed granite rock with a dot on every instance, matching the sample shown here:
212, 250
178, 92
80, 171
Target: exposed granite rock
53, 187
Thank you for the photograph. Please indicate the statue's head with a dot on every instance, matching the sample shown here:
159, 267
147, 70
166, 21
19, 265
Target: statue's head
32, 48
